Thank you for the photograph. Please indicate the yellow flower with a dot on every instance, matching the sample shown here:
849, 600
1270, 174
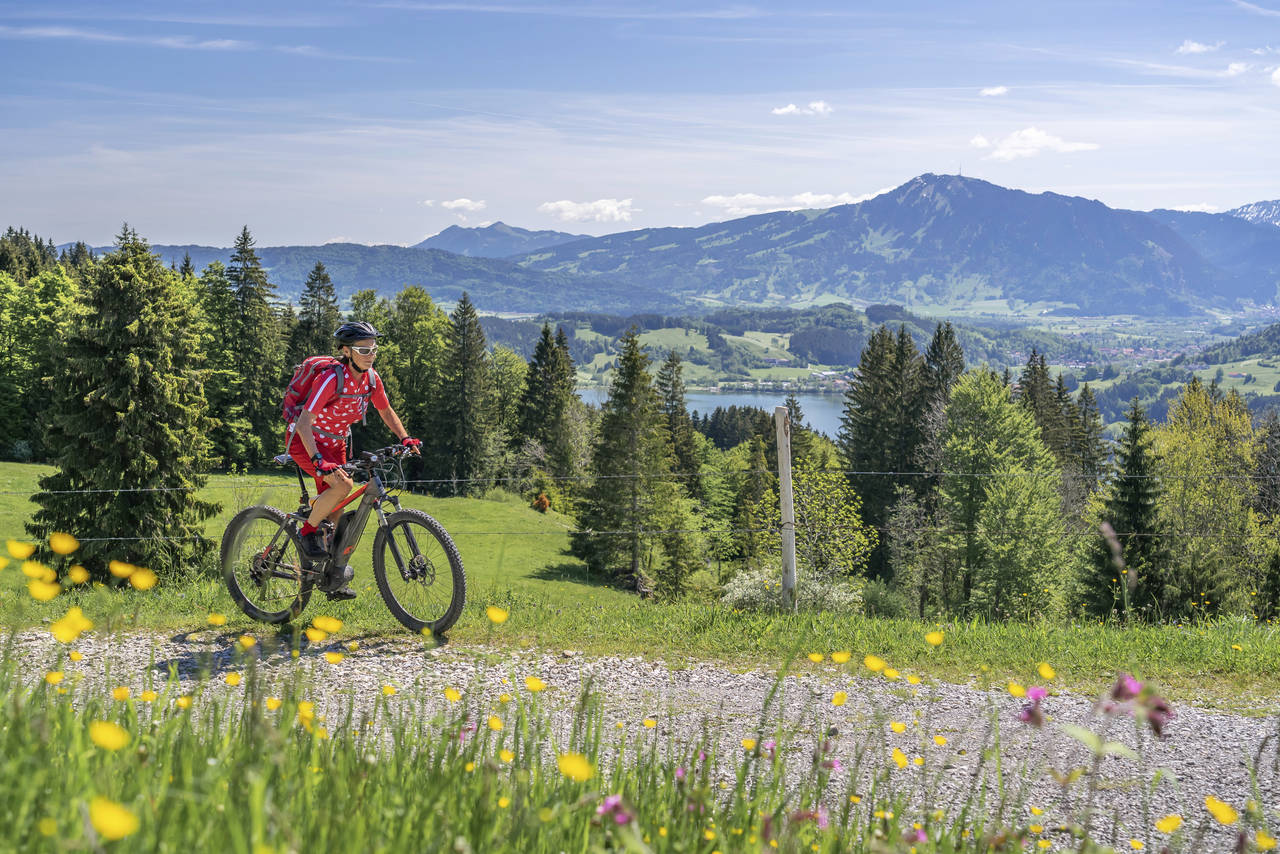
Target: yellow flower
71, 626
232, 679
1045, 671
504, 698
332, 625
47, 827
503, 803
452, 695
353, 646
273, 703
333, 657
897, 726
108, 735
1236, 647
841, 657
1169, 823
1036, 828
148, 696
495, 723
1137, 844
20, 551
874, 663
1037, 811
918, 761
78, 574
650, 723
76, 655
35, 569
940, 740
1264, 841
496, 615
576, 767
1017, 690
246, 641
899, 757
1222, 811
840, 698
315, 635
817, 657
120, 569
506, 755
748, 744
53, 677
43, 591
1043, 843
184, 702
890, 673
112, 820
307, 714
913, 679
388, 690
121, 692
143, 579
934, 638
217, 619
534, 684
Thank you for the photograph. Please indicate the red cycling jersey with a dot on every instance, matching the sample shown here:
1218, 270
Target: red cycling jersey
335, 411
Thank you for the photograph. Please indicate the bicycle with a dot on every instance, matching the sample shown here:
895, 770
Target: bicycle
271, 580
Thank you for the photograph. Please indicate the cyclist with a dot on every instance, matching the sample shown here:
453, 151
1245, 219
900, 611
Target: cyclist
336, 400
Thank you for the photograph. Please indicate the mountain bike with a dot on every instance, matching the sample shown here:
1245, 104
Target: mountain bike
415, 563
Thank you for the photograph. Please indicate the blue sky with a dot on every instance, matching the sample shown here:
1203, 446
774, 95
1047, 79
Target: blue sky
386, 121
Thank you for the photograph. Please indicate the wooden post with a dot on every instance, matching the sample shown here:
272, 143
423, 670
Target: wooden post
782, 417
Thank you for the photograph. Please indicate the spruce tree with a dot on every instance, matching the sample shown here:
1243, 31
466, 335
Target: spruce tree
629, 459
187, 270
233, 442
128, 414
669, 385
943, 367
318, 317
257, 354
1131, 508
543, 407
757, 482
1091, 450
463, 441
801, 436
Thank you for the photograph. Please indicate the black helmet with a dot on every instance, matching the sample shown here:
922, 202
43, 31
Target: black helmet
349, 333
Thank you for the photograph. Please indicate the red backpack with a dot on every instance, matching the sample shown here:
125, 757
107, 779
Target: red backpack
304, 376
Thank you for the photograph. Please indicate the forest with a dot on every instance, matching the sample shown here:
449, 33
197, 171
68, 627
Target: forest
950, 490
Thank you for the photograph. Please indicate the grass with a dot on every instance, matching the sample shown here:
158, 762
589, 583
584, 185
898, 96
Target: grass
517, 558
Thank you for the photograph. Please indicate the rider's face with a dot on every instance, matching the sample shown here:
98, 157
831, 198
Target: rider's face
363, 361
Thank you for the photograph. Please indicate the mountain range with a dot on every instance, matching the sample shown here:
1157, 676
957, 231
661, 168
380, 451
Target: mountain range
1262, 213
938, 242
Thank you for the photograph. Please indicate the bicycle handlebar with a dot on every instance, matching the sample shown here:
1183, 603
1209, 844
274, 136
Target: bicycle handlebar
371, 459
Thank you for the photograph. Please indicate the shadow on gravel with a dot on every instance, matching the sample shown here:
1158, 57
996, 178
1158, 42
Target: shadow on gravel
205, 654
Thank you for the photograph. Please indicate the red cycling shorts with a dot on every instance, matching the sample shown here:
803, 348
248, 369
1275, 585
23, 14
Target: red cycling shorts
331, 450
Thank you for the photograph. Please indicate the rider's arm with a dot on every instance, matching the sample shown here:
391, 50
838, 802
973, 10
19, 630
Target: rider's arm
305, 420
389, 417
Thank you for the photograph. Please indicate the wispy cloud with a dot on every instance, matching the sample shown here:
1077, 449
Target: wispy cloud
575, 10
282, 21
464, 205
1030, 142
815, 108
1256, 9
1189, 46
993, 91
179, 42
747, 204
1275, 77
1197, 208
1234, 69
601, 210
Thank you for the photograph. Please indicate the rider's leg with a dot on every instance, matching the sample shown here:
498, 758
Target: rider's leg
339, 486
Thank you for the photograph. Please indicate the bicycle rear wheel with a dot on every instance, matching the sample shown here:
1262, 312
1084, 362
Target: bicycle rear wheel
263, 567
423, 582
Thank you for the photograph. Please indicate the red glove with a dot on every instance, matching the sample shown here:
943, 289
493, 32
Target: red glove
411, 443
325, 468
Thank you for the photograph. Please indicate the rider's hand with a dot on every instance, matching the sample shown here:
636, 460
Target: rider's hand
414, 445
325, 468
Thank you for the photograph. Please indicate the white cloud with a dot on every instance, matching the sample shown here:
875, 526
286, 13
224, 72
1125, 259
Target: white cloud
815, 108
1189, 46
1253, 7
601, 210
428, 203
1235, 69
1200, 208
748, 204
992, 91
1275, 77
1029, 142
463, 205
980, 141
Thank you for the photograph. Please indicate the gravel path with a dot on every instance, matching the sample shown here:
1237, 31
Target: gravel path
1204, 753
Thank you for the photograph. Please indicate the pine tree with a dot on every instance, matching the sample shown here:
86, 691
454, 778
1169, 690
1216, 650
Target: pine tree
1036, 393
257, 355
187, 270
318, 317
943, 364
801, 436
128, 414
1091, 448
1131, 507
629, 458
943, 367
463, 437
669, 385
549, 385
233, 442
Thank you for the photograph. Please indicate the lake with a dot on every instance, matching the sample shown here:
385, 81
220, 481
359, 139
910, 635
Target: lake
822, 412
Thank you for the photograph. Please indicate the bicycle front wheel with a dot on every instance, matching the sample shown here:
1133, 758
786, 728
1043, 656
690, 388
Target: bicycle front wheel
263, 567
419, 572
